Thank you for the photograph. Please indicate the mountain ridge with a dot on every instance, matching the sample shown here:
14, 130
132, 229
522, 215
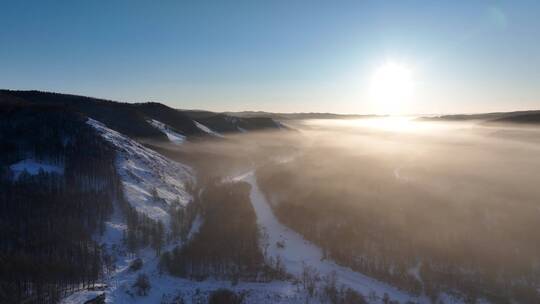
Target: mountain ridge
520, 117
132, 119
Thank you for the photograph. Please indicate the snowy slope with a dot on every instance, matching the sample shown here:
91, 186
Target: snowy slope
297, 251
207, 129
144, 171
173, 136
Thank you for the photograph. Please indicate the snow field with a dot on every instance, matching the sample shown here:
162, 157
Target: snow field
173, 136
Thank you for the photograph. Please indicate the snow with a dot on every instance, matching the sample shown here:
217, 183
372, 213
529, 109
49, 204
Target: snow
415, 271
207, 129
115, 228
81, 297
173, 136
278, 124
195, 226
298, 252
165, 287
33, 167
144, 171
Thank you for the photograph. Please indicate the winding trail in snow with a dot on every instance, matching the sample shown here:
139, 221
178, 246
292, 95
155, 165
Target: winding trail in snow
297, 251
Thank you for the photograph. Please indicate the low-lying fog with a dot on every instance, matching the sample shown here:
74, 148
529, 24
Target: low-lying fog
461, 162
469, 159
395, 160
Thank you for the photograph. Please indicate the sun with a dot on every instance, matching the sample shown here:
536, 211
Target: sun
391, 89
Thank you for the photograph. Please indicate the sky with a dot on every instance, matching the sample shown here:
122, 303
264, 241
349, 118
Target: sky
280, 56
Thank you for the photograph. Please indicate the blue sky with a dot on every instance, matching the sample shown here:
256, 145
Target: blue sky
466, 56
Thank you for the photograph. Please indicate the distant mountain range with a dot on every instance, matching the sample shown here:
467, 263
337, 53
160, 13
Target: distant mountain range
519, 117
294, 116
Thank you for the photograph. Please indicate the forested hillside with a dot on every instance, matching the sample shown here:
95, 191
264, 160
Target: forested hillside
133, 119
57, 186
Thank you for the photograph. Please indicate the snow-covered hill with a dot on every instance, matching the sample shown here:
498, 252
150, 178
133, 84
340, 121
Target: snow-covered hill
152, 183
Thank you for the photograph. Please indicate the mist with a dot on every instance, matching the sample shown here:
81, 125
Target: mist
496, 162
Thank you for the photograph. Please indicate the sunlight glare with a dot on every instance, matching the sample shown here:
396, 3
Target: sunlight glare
392, 88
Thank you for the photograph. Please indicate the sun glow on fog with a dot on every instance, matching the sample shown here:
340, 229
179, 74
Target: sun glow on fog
391, 88
390, 124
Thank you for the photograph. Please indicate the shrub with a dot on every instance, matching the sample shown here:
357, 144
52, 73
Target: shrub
353, 297
225, 296
136, 264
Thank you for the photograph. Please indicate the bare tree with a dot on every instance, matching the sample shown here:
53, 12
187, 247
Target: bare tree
310, 276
